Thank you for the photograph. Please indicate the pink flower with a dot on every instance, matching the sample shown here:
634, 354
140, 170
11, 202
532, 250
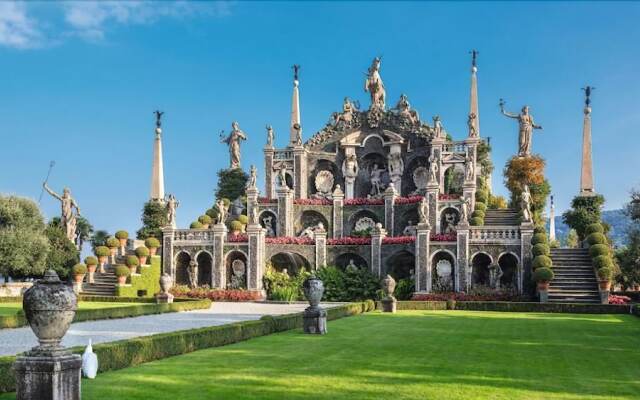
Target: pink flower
358, 241
363, 201
239, 238
399, 240
289, 240
408, 200
313, 202
443, 237
266, 200
615, 299
448, 196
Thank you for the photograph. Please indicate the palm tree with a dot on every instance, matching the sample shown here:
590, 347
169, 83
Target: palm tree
99, 238
84, 230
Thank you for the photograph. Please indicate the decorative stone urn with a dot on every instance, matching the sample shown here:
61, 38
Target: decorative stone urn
49, 306
166, 282
314, 317
389, 302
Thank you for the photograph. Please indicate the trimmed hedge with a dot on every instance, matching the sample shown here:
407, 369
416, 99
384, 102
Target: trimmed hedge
602, 262
146, 283
122, 235
478, 214
509, 306
481, 206
541, 249
543, 274
102, 251
79, 269
476, 221
482, 196
539, 238
142, 251
596, 238
594, 228
196, 225
605, 273
152, 243
91, 260
542, 262
599, 250
113, 243
417, 305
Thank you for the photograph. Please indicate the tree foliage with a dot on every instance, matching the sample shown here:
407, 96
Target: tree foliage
585, 210
521, 171
99, 238
572, 241
628, 258
154, 217
231, 183
63, 253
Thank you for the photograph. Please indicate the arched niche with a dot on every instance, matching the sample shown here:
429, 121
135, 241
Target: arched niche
408, 182
311, 218
454, 179
324, 165
345, 259
360, 219
367, 162
236, 267
449, 218
269, 221
289, 262
205, 266
509, 264
480, 269
182, 268
401, 265
444, 271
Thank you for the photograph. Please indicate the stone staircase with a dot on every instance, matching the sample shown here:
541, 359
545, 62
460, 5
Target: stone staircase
502, 217
104, 283
575, 280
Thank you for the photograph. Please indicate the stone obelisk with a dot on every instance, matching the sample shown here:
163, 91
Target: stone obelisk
294, 125
473, 106
552, 221
157, 173
586, 173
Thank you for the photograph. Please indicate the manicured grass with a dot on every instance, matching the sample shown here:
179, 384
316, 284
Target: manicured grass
409, 355
14, 307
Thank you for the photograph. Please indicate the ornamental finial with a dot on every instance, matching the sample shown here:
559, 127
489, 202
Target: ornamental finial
158, 115
296, 70
474, 56
587, 92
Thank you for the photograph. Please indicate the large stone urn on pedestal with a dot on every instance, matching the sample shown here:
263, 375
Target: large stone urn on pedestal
314, 317
165, 285
48, 371
389, 302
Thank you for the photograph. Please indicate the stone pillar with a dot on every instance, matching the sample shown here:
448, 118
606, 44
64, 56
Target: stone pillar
524, 269
469, 192
320, 237
285, 212
434, 214
157, 173
268, 172
219, 272
389, 200
167, 252
586, 172
256, 263
378, 233
463, 270
338, 210
422, 269
300, 172
252, 200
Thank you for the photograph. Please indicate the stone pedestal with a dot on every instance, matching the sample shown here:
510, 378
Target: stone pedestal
268, 172
255, 267
544, 296
167, 251
349, 183
469, 192
77, 287
604, 296
285, 212
389, 304
389, 200
338, 210
320, 237
219, 276
524, 270
164, 298
300, 172
48, 377
422, 269
432, 197
378, 233
252, 202
314, 321
463, 271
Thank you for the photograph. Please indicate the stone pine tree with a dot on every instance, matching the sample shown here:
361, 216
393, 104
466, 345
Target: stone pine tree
585, 210
154, 217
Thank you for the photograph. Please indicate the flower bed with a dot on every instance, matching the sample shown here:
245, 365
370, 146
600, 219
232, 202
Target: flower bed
266, 200
448, 196
216, 294
615, 299
289, 240
349, 241
461, 296
313, 202
240, 238
363, 201
444, 237
408, 200
399, 240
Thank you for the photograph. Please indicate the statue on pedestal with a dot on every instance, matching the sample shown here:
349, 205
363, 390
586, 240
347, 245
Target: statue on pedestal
374, 85
433, 169
233, 141
526, 127
376, 180
423, 211
252, 182
469, 168
282, 177
345, 119
298, 129
351, 267
270, 136
409, 230
171, 205
438, 130
350, 166
268, 225
68, 218
409, 117
396, 165
525, 204
465, 204
192, 273
222, 211
495, 273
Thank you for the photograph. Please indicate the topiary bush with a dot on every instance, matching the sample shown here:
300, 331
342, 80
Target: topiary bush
476, 221
205, 219
102, 251
91, 260
596, 238
481, 207
152, 243
478, 213
213, 213
599, 250
132, 261
122, 235
122, 270
540, 249
594, 228
539, 229
539, 238
142, 251
482, 196
235, 226
605, 273
542, 261
196, 225
79, 269
112, 243
543, 275
243, 219
602, 262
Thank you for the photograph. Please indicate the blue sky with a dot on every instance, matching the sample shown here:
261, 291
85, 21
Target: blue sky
79, 82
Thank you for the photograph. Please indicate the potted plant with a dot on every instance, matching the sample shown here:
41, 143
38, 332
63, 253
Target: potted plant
91, 263
205, 220
132, 263
102, 252
152, 244
244, 220
604, 278
122, 272
122, 237
543, 276
235, 227
196, 225
113, 244
142, 253
79, 271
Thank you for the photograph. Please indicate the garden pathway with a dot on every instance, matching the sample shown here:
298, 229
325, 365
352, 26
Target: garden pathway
13, 341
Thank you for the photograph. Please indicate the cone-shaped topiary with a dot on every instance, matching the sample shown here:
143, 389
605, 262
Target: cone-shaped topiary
152, 243
599, 250
112, 243
596, 238
91, 260
142, 251
476, 221
540, 249
605, 273
79, 269
243, 219
542, 262
482, 196
481, 207
196, 225
213, 213
543, 275
122, 235
539, 238
235, 226
102, 251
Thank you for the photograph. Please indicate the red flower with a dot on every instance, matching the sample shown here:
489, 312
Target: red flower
444, 237
615, 299
313, 202
239, 238
289, 240
217, 294
461, 296
363, 201
448, 196
266, 200
399, 240
358, 241
408, 200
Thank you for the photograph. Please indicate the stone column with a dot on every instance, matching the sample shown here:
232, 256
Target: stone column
389, 200
463, 271
378, 233
338, 210
320, 236
300, 172
268, 172
586, 171
255, 267
167, 251
252, 199
524, 269
285, 212
422, 269
434, 214
219, 273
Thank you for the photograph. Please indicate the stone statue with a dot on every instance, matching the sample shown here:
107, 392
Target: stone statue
255, 213
350, 166
449, 222
526, 127
238, 280
405, 112
270, 136
345, 118
233, 141
438, 130
465, 204
222, 211
375, 86
171, 205
433, 168
469, 168
495, 273
376, 180
351, 267
282, 177
68, 218
268, 225
298, 130
423, 211
471, 123
525, 204
396, 164
192, 273
253, 177
409, 230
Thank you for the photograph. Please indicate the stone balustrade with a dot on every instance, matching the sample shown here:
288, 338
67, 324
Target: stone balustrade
283, 155
190, 235
494, 233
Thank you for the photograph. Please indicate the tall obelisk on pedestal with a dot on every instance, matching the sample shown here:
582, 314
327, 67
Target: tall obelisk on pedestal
157, 172
294, 125
552, 221
586, 173
473, 104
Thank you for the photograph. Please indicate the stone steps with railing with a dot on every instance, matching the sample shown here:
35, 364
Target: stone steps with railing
574, 278
507, 216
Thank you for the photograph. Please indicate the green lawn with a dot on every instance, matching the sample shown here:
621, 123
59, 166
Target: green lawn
409, 355
13, 307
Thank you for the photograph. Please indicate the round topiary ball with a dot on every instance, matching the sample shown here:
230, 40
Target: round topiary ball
539, 238
152, 243
91, 260
213, 213
482, 196
594, 228
142, 251
605, 273
596, 238
539, 229
204, 219
113, 242
196, 225
476, 221
122, 235
132, 261
79, 269
102, 251
602, 262
478, 213
235, 226
122, 270
481, 206
599, 250
540, 249
543, 275
243, 219
542, 261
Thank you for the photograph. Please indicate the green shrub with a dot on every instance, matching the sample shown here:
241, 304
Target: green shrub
243, 219
478, 213
142, 251
213, 213
542, 262
605, 273
226, 201
539, 229
79, 269
554, 244
404, 289
112, 243
602, 262
476, 221
594, 228
481, 206
196, 225
539, 238
235, 226
152, 243
122, 270
122, 235
543, 275
599, 250
132, 261
482, 196
596, 238
540, 249
91, 260
102, 251
348, 285
205, 219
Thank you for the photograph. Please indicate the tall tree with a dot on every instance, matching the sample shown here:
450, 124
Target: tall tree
154, 217
99, 238
585, 210
84, 229
63, 253
231, 183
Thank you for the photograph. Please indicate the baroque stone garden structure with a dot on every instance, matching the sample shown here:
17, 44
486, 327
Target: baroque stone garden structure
380, 188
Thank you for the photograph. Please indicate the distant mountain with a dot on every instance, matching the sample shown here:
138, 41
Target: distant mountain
616, 218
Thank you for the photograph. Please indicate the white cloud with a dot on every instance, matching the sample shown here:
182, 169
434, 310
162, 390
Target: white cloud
17, 29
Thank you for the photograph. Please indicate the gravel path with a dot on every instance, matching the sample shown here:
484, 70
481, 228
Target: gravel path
13, 341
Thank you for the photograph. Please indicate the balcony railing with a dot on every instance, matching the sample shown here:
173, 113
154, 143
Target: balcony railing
494, 233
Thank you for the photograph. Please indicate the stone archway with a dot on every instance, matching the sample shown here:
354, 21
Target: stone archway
416, 171
324, 165
289, 262
453, 179
509, 263
269, 221
361, 220
236, 268
345, 259
367, 162
311, 218
480, 269
444, 271
205, 266
401, 265
182, 268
